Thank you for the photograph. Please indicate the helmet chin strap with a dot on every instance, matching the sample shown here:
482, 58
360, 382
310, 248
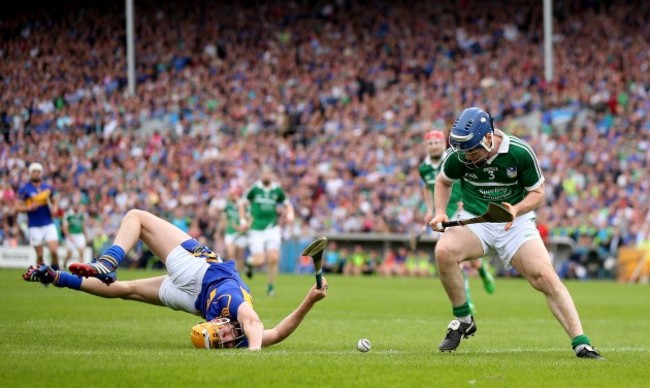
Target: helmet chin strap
484, 143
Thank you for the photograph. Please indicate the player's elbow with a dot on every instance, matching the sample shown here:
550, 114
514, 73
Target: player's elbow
252, 322
441, 182
252, 325
541, 198
542, 201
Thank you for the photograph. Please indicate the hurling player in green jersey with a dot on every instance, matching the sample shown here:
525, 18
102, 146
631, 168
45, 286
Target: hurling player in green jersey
264, 235
495, 167
235, 239
73, 229
436, 144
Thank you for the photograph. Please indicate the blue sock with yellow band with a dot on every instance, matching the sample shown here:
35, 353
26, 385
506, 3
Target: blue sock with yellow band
66, 279
113, 256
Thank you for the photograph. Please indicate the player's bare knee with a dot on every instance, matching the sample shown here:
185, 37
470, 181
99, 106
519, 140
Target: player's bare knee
446, 254
257, 260
134, 213
273, 257
545, 282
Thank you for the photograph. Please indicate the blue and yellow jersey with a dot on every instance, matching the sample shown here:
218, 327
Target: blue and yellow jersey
40, 196
222, 292
222, 289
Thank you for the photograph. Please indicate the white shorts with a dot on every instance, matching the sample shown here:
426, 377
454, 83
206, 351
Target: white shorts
39, 235
505, 243
182, 285
267, 239
75, 241
240, 240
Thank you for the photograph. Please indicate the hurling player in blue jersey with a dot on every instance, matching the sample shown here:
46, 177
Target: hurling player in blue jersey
198, 282
38, 201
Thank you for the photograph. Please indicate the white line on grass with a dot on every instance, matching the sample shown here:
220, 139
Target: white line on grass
538, 350
350, 352
355, 353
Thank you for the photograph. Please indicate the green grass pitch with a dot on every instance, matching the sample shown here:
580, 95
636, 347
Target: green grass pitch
61, 338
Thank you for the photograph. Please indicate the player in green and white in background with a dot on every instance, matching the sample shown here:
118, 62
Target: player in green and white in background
74, 231
436, 145
265, 236
495, 167
235, 239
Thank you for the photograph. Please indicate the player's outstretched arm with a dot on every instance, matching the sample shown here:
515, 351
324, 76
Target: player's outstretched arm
253, 326
289, 324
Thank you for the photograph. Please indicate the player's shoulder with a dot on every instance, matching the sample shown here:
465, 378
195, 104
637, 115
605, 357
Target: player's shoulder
515, 139
450, 158
254, 187
520, 147
25, 188
448, 152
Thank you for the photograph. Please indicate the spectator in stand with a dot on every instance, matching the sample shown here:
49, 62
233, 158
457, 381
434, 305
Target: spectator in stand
371, 263
387, 266
419, 264
356, 262
332, 258
399, 268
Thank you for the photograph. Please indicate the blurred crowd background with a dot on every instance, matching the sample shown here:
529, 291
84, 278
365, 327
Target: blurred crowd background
335, 95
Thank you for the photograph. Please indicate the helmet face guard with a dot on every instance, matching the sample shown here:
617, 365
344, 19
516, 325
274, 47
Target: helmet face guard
475, 157
219, 333
469, 136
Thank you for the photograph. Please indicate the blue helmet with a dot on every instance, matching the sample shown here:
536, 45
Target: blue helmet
470, 129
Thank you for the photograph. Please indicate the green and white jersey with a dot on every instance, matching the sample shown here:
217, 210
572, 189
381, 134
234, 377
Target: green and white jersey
232, 217
505, 177
75, 222
263, 202
428, 172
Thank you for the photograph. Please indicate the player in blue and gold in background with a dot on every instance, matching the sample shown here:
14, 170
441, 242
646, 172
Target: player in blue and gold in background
198, 282
38, 201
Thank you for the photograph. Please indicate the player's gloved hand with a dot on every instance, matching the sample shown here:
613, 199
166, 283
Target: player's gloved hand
436, 222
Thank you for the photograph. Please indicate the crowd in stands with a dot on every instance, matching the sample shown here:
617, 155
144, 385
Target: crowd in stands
336, 95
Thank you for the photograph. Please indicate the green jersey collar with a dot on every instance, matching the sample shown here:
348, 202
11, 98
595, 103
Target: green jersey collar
504, 147
260, 185
428, 161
